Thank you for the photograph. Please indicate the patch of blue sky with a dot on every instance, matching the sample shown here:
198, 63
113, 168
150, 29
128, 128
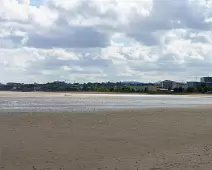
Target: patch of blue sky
37, 2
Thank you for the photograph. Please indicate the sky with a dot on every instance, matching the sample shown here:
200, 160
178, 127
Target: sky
105, 40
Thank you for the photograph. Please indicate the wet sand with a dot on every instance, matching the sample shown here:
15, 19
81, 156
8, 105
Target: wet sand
61, 94
88, 102
151, 139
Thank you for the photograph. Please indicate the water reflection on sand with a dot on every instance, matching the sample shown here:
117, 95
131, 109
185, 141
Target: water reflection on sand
38, 101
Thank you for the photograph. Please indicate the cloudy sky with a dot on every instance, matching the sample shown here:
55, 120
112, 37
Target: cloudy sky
105, 40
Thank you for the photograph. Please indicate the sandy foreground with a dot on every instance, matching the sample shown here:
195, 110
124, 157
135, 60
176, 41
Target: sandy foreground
153, 139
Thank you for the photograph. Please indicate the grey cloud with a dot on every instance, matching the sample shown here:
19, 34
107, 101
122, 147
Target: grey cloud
166, 15
197, 37
52, 63
142, 66
201, 66
164, 64
146, 38
102, 63
166, 11
71, 37
65, 34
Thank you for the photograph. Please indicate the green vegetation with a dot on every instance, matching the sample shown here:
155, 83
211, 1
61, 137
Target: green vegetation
200, 89
102, 87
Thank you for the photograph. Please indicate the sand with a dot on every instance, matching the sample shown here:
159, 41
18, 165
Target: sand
153, 139
67, 94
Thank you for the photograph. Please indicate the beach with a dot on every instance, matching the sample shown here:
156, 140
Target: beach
93, 102
140, 139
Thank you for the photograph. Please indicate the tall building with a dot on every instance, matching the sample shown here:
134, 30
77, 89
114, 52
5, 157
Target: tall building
206, 79
168, 84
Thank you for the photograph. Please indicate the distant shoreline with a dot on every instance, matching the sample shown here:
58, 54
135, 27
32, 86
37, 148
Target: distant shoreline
86, 92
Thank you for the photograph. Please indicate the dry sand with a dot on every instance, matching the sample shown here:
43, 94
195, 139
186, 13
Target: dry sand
154, 139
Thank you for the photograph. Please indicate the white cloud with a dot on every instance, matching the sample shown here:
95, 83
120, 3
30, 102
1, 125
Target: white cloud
91, 40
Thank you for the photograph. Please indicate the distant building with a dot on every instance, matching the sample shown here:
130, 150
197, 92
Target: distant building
206, 79
59, 82
13, 86
168, 84
193, 84
2, 86
179, 84
208, 84
154, 88
148, 86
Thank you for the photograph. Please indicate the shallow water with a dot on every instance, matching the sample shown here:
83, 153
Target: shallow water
48, 102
